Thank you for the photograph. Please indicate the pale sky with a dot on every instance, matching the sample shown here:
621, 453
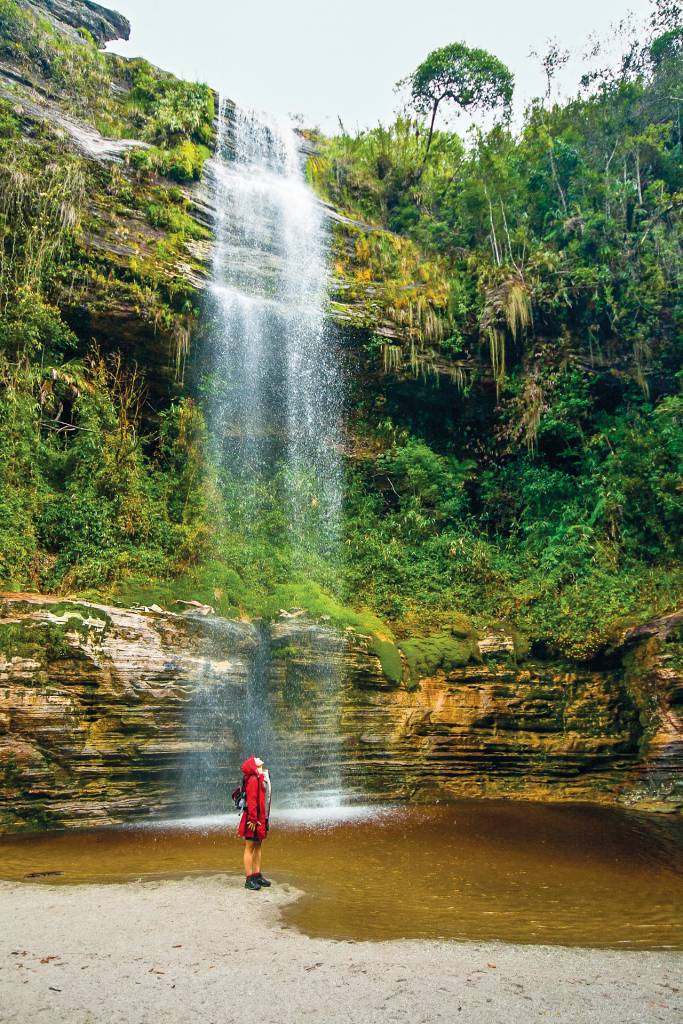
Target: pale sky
328, 60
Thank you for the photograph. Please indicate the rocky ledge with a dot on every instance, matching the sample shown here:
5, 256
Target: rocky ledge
102, 24
110, 715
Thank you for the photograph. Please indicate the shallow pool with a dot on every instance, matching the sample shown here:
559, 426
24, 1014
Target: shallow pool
517, 872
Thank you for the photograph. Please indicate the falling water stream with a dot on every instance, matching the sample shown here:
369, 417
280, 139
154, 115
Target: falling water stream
275, 412
278, 409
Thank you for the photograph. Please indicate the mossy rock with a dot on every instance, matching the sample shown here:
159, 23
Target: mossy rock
319, 604
223, 588
287, 652
74, 612
43, 642
390, 659
445, 651
460, 627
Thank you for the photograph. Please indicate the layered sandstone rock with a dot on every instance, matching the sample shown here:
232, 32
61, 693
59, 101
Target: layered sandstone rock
110, 715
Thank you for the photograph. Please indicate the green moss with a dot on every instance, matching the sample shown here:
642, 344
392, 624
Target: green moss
426, 655
224, 589
285, 653
43, 642
319, 604
212, 583
164, 213
73, 610
390, 659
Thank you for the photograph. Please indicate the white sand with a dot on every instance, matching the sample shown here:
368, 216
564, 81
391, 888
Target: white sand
205, 950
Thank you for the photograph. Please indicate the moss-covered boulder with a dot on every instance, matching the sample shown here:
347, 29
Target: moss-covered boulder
441, 652
389, 658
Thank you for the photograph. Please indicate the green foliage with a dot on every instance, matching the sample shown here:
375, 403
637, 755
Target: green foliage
535, 476
537, 238
185, 161
167, 110
175, 117
425, 483
172, 216
10, 124
182, 163
517, 408
123, 99
42, 52
95, 507
92, 492
471, 79
41, 201
31, 325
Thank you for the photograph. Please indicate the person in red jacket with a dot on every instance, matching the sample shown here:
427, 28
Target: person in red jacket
253, 826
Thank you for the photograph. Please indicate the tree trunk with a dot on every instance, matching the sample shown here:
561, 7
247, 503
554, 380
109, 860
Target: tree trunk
421, 168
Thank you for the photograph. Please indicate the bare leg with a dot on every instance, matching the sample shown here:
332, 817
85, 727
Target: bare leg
256, 862
249, 851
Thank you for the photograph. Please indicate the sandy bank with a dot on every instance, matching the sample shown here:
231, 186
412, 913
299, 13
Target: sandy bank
205, 950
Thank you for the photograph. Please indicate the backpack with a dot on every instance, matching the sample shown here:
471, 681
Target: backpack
239, 797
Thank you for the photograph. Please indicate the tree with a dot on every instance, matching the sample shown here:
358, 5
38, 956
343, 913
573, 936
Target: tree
666, 15
469, 78
552, 62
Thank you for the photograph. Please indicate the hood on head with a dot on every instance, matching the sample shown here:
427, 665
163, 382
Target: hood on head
249, 767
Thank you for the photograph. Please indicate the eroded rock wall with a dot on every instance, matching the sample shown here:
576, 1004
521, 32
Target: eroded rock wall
96, 713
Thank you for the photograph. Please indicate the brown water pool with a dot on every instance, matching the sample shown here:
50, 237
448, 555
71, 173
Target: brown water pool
489, 870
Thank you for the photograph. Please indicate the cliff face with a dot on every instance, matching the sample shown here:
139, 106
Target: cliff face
99, 708
141, 246
102, 24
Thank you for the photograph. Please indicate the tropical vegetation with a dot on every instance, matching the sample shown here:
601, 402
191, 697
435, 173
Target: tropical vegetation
515, 401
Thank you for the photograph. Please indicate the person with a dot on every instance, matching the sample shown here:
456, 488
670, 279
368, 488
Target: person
253, 826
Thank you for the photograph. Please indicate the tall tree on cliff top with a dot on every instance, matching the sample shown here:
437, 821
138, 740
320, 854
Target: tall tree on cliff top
470, 79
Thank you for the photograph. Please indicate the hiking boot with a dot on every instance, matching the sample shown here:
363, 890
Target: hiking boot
263, 881
252, 883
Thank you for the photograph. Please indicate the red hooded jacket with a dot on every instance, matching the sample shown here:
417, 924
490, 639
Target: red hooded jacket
257, 809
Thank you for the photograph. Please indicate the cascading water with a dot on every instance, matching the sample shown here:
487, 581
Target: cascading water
278, 411
276, 405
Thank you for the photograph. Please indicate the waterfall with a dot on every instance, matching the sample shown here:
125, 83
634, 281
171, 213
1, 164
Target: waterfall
279, 409
276, 400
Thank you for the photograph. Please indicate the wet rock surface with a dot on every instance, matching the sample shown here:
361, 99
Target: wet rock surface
99, 724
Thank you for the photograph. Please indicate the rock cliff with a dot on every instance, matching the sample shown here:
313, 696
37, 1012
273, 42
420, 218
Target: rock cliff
142, 227
96, 716
103, 24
